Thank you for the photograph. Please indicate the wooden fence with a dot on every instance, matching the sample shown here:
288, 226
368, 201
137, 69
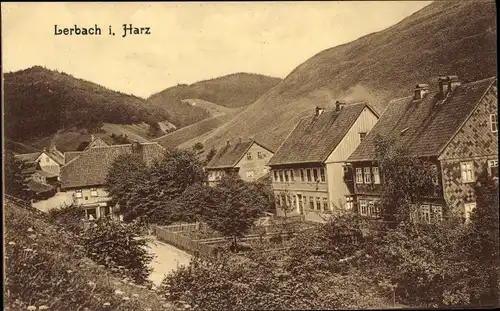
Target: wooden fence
185, 243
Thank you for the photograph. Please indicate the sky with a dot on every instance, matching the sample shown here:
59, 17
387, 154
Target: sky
188, 41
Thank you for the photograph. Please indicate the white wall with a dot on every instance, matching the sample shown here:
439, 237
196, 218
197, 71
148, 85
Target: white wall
337, 189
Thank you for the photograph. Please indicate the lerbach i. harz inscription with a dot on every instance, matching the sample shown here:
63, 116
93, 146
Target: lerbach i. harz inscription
126, 30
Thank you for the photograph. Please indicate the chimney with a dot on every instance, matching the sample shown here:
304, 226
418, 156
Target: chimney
136, 147
446, 85
92, 138
319, 111
453, 83
420, 91
339, 105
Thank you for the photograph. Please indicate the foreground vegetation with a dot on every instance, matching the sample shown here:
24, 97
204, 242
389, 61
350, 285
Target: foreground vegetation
47, 268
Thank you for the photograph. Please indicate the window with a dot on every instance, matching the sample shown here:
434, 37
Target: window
299, 199
311, 203
367, 175
494, 123
261, 155
47, 160
437, 213
250, 174
249, 156
308, 175
302, 175
78, 193
362, 136
91, 213
276, 176
359, 175
349, 202
93, 192
286, 175
291, 176
315, 174
413, 213
468, 208
371, 209
376, 175
467, 171
325, 204
425, 214
281, 175
322, 174
318, 203
347, 173
363, 210
493, 168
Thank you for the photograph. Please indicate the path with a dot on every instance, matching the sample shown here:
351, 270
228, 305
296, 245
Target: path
167, 258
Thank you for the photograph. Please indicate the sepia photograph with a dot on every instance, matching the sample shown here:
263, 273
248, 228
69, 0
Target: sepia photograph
279, 155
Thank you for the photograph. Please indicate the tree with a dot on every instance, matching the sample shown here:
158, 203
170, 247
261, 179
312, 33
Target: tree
198, 147
483, 241
125, 177
210, 155
237, 206
16, 182
406, 180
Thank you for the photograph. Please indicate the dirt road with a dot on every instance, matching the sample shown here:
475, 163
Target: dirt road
167, 258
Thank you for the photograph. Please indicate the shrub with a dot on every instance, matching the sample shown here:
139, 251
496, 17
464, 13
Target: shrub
45, 267
119, 246
69, 216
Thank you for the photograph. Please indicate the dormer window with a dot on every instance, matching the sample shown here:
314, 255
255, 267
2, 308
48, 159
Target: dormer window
93, 192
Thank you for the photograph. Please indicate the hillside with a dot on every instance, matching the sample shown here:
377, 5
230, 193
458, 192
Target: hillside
194, 131
445, 37
54, 271
231, 91
39, 102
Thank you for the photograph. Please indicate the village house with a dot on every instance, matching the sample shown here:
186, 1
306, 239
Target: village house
307, 169
83, 178
246, 158
456, 130
47, 160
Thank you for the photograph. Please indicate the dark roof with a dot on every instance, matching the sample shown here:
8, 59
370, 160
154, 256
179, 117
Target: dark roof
424, 127
230, 154
39, 187
91, 167
315, 137
28, 157
46, 174
70, 155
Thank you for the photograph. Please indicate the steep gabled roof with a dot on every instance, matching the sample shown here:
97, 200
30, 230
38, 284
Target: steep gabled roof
70, 155
231, 154
91, 167
424, 127
315, 137
96, 142
59, 158
27, 157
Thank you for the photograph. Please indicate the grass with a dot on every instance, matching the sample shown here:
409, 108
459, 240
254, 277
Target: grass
46, 269
445, 37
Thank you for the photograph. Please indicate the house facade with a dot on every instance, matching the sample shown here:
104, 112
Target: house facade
83, 178
248, 159
49, 160
454, 130
307, 170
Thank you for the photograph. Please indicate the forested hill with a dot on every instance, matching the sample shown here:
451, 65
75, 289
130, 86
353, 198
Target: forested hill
39, 102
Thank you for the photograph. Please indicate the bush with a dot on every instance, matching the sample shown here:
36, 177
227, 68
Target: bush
69, 216
44, 266
119, 246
